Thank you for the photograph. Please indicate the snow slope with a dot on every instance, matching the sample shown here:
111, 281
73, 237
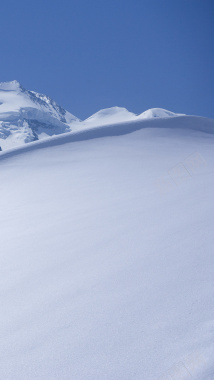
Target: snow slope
27, 116
107, 254
109, 116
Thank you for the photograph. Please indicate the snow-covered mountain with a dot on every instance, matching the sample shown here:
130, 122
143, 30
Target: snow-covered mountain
27, 116
115, 115
158, 112
107, 253
109, 116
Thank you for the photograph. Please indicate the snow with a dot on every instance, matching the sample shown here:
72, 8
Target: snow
20, 107
107, 253
13, 85
119, 114
44, 117
110, 116
158, 112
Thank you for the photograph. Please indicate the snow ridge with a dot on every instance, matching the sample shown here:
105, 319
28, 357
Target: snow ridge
27, 116
182, 124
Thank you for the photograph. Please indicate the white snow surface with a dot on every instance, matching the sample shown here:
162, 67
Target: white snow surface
109, 116
158, 112
120, 114
27, 116
107, 254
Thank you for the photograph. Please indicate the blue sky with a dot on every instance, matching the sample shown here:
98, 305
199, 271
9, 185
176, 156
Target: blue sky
93, 54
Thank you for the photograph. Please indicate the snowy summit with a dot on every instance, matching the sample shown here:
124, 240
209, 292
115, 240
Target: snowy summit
27, 116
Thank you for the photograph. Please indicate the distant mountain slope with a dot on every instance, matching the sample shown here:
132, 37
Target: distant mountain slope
27, 116
158, 112
109, 116
119, 115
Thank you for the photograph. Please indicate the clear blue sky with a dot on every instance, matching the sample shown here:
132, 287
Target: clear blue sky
93, 54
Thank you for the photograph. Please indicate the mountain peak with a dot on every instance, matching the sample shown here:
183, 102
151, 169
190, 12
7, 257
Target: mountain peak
10, 86
27, 116
110, 115
158, 112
